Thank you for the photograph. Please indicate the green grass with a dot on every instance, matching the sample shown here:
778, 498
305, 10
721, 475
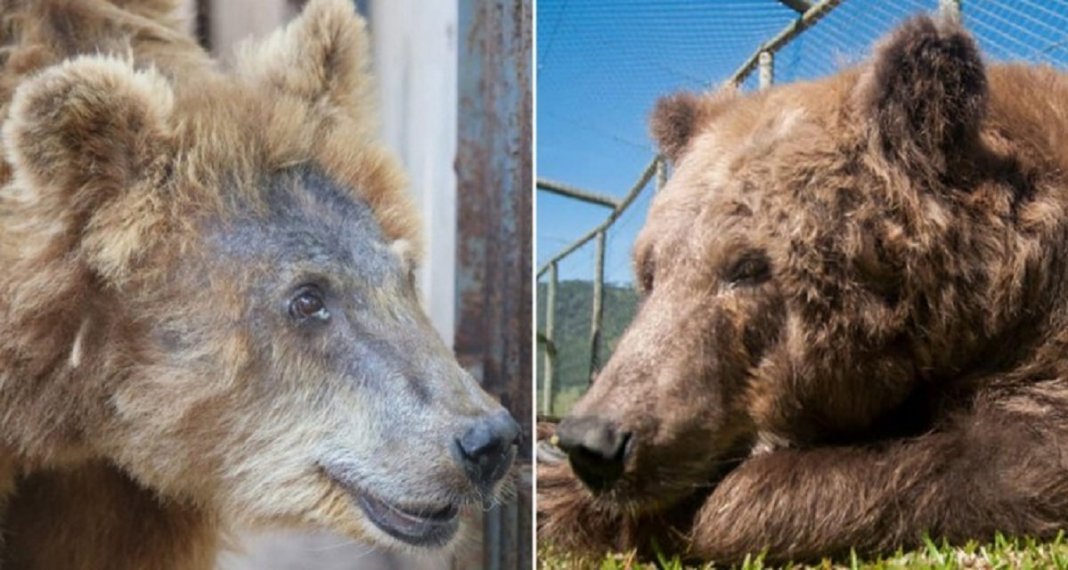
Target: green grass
1002, 553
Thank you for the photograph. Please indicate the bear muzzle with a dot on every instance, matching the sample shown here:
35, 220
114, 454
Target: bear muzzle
486, 449
596, 448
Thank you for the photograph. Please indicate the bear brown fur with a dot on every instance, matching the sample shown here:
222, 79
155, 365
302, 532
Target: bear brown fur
207, 299
854, 322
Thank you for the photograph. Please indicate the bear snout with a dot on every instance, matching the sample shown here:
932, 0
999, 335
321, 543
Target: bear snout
597, 449
486, 447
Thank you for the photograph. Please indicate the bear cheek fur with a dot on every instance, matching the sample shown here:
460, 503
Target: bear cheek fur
205, 368
843, 358
228, 400
226, 440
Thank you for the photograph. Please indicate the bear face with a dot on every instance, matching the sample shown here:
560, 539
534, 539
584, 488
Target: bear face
315, 315
826, 263
211, 280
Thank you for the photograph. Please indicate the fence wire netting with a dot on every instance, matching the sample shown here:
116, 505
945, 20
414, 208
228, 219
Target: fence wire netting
602, 65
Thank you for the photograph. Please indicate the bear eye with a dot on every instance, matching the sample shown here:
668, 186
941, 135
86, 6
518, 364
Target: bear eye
751, 269
308, 304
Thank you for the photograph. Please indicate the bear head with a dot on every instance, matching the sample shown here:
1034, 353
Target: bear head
822, 253
212, 280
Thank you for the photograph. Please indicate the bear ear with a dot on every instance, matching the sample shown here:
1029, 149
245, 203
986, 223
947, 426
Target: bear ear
81, 132
678, 117
924, 95
322, 55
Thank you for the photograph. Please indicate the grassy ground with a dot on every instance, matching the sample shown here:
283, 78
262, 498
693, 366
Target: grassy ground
1000, 554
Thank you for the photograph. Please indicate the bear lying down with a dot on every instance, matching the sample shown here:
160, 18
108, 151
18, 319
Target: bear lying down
207, 307
854, 321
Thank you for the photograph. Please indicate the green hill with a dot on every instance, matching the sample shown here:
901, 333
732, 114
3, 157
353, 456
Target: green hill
574, 312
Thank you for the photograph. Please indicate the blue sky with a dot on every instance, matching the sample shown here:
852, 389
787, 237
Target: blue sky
602, 65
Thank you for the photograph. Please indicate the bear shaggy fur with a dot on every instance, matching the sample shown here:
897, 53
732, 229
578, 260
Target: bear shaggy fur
855, 321
207, 307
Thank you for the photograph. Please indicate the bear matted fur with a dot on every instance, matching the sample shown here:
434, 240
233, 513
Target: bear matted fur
207, 300
855, 322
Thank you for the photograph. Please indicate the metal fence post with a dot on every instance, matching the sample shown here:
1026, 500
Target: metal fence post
550, 342
950, 9
598, 306
766, 62
493, 281
795, 27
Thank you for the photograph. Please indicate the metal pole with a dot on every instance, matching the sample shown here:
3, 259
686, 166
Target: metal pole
550, 343
661, 174
799, 6
950, 9
577, 193
625, 203
202, 23
493, 212
598, 306
767, 69
788, 33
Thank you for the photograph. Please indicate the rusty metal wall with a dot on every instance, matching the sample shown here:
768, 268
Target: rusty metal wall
493, 281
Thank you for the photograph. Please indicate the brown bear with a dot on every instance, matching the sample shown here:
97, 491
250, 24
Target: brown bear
207, 301
855, 321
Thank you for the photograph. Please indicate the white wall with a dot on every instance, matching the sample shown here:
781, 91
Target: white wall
236, 20
188, 9
415, 63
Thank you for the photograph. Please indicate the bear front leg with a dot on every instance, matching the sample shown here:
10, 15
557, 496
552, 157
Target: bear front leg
993, 472
568, 517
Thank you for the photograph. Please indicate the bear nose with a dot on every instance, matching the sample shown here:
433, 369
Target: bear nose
485, 449
596, 449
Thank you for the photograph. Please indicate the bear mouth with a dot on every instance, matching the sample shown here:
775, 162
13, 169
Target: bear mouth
418, 526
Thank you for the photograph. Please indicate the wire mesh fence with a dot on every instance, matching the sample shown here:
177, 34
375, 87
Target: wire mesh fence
602, 65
